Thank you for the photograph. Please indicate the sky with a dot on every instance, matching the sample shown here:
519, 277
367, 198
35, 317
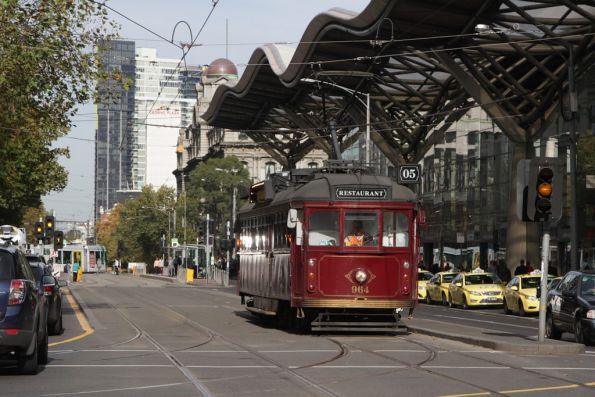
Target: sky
250, 23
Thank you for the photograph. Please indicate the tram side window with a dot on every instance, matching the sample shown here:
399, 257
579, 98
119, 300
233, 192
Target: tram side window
323, 228
396, 230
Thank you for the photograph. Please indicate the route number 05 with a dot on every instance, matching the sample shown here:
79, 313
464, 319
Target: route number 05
409, 173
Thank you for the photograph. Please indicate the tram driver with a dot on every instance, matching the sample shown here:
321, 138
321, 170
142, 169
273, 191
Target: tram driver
357, 237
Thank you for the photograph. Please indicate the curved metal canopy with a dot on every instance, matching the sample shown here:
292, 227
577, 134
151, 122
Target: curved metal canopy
424, 64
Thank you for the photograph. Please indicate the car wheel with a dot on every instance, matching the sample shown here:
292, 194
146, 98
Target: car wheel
551, 332
57, 326
428, 299
579, 331
28, 364
505, 307
522, 311
43, 350
465, 303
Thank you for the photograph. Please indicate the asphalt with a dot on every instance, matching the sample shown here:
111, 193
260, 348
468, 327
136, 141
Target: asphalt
483, 337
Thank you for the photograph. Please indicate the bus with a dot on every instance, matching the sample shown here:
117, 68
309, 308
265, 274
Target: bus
92, 258
301, 262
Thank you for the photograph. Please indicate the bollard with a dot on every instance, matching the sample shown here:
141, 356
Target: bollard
189, 276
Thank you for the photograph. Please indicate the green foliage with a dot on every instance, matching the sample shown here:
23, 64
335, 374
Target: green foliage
139, 223
47, 67
210, 190
30, 216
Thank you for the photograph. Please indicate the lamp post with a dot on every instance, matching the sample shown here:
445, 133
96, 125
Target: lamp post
355, 94
232, 171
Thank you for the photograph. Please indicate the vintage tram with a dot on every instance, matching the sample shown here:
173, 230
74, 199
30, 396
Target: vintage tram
331, 249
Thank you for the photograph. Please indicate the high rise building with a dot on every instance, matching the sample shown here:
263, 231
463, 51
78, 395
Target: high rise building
114, 107
164, 101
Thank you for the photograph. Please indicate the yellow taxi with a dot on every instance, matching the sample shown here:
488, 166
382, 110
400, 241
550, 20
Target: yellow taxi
423, 276
520, 294
437, 287
476, 288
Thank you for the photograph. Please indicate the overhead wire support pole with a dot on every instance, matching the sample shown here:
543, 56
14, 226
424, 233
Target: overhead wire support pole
573, 183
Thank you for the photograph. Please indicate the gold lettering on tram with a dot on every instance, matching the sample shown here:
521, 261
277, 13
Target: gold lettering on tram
359, 289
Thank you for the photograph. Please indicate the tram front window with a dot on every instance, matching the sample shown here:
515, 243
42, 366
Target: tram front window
323, 228
396, 230
361, 229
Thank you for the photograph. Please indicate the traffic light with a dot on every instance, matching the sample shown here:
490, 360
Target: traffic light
38, 231
50, 224
201, 228
544, 189
58, 240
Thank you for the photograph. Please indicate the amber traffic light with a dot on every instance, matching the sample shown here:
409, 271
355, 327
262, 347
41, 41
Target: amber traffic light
50, 225
544, 189
38, 231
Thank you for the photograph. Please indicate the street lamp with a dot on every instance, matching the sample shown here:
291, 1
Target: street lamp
355, 94
234, 172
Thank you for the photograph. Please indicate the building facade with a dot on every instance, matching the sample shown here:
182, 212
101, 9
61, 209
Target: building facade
200, 141
114, 108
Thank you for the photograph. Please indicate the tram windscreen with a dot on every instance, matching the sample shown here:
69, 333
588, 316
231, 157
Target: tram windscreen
361, 229
323, 228
395, 231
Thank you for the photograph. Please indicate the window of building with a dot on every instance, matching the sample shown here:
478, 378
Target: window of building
313, 164
269, 168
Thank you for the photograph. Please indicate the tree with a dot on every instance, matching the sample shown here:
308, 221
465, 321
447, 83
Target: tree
138, 224
30, 216
210, 191
47, 67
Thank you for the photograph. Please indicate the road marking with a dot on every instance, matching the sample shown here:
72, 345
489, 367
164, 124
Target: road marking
87, 329
484, 321
230, 366
109, 365
212, 351
354, 366
114, 390
560, 368
458, 367
400, 351
531, 390
103, 350
298, 351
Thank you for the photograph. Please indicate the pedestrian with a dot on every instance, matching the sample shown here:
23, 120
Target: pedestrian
170, 266
503, 271
521, 269
177, 263
116, 267
75, 270
529, 267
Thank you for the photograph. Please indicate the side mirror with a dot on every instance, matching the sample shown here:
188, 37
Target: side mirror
292, 218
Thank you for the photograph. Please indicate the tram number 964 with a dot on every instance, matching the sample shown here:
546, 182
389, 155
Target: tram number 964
409, 173
359, 289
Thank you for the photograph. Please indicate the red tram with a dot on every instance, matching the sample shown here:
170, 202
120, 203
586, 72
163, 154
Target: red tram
333, 249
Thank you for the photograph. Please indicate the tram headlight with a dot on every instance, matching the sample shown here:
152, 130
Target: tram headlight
406, 265
361, 276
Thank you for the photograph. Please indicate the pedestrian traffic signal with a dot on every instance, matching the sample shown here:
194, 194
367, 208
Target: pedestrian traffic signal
50, 224
38, 232
544, 189
58, 240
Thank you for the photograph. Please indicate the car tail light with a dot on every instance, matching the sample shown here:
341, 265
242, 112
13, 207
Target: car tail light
11, 331
48, 290
311, 275
17, 292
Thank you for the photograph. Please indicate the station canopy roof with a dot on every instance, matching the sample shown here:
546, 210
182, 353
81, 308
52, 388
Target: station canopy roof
424, 64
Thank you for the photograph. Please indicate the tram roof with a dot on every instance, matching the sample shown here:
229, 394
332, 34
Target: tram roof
424, 63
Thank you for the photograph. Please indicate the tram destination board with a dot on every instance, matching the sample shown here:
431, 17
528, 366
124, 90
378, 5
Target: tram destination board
409, 173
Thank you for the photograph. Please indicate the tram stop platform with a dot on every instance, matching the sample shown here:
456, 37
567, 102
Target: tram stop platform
491, 339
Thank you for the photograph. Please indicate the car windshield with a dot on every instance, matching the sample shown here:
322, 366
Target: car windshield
424, 276
447, 278
5, 266
530, 282
588, 285
474, 279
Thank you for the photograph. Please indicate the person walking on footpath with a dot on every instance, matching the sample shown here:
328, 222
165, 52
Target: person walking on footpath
75, 270
521, 269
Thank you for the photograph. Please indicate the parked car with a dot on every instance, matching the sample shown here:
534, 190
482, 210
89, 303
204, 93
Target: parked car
53, 295
476, 288
520, 294
23, 313
571, 307
437, 287
423, 277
